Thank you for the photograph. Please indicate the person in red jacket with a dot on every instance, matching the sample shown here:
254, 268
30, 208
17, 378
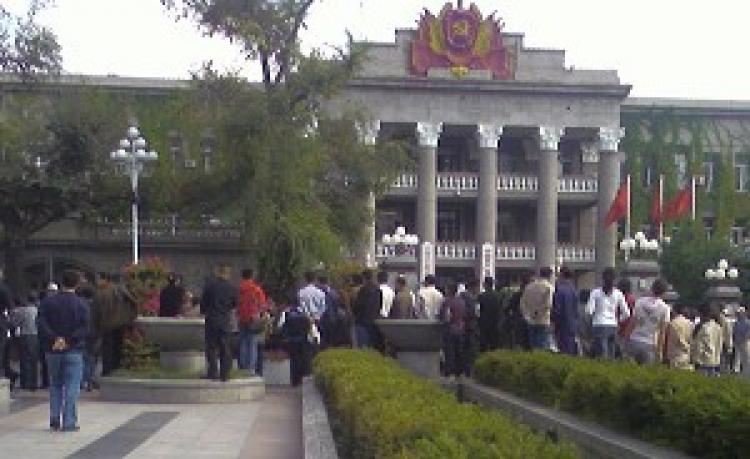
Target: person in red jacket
251, 315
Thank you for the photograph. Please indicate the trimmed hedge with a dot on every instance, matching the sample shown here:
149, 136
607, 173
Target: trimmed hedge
707, 417
379, 410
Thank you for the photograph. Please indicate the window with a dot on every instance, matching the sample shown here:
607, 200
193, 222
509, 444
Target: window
737, 235
740, 173
207, 148
708, 172
648, 176
680, 163
449, 225
175, 149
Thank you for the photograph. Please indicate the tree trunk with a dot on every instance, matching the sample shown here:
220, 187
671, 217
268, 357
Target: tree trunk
13, 250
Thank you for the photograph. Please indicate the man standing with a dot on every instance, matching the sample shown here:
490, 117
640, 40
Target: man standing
430, 299
218, 300
23, 317
565, 312
536, 307
471, 324
679, 340
403, 302
171, 297
453, 314
6, 302
387, 294
489, 316
366, 310
112, 314
63, 323
251, 315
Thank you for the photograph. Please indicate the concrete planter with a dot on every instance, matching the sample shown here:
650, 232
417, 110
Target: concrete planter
417, 343
174, 334
277, 372
133, 390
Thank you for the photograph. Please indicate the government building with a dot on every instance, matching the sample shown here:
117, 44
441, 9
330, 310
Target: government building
518, 156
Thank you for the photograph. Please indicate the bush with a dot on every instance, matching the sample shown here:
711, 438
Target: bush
707, 417
380, 410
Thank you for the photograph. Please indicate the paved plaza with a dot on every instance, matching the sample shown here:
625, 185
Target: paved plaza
268, 428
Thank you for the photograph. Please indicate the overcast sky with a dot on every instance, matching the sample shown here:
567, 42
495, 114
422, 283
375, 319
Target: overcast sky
664, 48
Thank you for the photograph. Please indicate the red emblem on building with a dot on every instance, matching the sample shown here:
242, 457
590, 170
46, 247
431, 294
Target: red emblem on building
460, 39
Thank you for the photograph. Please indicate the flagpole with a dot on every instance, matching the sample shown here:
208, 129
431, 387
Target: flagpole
627, 218
661, 207
692, 195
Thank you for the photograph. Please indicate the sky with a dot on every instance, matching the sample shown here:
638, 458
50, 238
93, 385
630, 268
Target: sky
663, 48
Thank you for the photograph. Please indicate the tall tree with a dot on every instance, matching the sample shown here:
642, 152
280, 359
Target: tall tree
297, 178
26, 47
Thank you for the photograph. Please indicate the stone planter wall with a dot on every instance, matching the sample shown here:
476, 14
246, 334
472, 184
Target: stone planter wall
4, 396
317, 437
277, 372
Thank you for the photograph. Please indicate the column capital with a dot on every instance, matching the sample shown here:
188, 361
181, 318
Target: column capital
489, 134
609, 138
549, 138
368, 131
428, 133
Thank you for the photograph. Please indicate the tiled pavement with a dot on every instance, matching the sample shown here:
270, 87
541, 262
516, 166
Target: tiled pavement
269, 428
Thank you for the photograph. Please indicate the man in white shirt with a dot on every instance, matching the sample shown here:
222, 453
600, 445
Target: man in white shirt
430, 299
651, 317
387, 293
312, 300
605, 307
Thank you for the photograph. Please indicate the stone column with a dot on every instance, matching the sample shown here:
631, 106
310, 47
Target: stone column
609, 180
427, 138
546, 204
486, 223
368, 135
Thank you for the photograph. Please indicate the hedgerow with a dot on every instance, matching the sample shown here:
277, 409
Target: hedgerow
707, 417
380, 410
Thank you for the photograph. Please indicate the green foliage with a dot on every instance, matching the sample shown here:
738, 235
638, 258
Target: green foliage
138, 354
684, 261
144, 282
383, 411
705, 417
26, 47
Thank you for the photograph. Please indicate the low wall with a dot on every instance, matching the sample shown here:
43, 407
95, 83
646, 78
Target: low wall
316, 431
4, 396
131, 390
592, 440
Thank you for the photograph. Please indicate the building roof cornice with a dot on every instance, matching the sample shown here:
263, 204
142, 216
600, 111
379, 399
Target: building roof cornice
686, 107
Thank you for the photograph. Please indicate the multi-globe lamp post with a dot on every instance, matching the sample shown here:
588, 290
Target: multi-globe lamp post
639, 242
723, 293
722, 271
133, 156
400, 240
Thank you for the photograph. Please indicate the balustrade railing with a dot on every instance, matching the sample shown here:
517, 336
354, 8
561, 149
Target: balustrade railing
571, 184
514, 252
503, 252
517, 183
576, 253
457, 182
406, 181
455, 251
168, 230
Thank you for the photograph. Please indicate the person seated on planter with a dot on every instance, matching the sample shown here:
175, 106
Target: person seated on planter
707, 344
650, 318
171, 297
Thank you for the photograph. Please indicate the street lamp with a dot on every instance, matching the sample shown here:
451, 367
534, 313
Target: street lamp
133, 155
722, 271
640, 241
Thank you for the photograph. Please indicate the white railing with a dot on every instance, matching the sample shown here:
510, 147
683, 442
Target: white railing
517, 183
455, 251
457, 182
577, 185
519, 251
393, 251
576, 253
406, 181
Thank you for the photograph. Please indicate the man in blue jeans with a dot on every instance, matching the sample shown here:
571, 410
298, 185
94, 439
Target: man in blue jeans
63, 324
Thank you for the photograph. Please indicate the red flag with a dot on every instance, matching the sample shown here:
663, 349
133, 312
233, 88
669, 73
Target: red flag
619, 208
656, 215
679, 206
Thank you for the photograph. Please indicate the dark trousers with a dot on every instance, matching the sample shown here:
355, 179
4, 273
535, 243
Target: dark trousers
217, 342
298, 351
3, 345
567, 343
111, 350
455, 362
45, 376
29, 360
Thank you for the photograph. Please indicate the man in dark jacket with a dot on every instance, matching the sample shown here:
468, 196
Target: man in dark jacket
171, 297
63, 323
366, 309
565, 312
219, 299
489, 316
6, 304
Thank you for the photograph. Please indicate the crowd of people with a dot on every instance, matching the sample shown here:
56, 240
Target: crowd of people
61, 336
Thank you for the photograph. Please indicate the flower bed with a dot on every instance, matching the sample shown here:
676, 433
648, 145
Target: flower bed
380, 410
707, 417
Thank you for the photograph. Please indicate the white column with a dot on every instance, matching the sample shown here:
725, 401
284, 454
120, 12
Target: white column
546, 205
609, 181
368, 135
486, 224
428, 134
